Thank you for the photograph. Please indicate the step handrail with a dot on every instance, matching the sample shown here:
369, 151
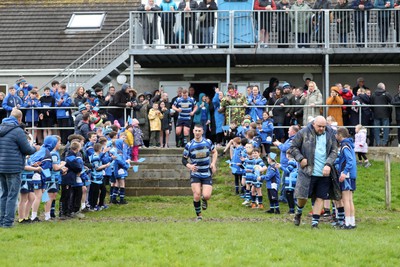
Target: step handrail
67, 69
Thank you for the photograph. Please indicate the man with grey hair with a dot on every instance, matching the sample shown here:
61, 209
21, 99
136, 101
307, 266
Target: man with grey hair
14, 146
315, 148
381, 114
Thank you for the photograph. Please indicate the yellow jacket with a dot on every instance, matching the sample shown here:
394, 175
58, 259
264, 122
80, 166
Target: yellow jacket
129, 138
155, 117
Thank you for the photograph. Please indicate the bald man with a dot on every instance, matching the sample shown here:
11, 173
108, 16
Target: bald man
315, 148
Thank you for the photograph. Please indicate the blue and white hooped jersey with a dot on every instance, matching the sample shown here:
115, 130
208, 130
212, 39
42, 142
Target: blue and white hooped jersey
56, 159
187, 105
97, 176
199, 154
249, 165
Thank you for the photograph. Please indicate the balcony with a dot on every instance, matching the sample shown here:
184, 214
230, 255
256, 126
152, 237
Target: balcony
225, 38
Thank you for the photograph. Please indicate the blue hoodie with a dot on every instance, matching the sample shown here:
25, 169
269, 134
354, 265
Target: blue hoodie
29, 103
63, 113
267, 130
26, 89
347, 162
121, 167
202, 115
218, 116
43, 155
166, 15
258, 100
10, 102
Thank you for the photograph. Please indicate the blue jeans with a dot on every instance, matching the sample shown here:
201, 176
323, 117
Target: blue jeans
377, 131
208, 34
10, 185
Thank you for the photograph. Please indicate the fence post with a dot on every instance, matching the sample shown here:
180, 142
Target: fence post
388, 189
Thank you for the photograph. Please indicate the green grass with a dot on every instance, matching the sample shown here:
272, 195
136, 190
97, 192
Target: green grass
160, 231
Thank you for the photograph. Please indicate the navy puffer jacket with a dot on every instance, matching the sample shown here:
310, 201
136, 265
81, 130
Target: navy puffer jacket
13, 146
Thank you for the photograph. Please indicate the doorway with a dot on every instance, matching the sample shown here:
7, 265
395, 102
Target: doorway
206, 88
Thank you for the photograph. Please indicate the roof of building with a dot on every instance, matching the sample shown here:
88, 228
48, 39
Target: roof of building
33, 33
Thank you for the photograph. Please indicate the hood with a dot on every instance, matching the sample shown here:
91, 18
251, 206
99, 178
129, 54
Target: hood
379, 92
147, 93
365, 98
49, 143
119, 144
8, 124
272, 81
124, 87
347, 141
201, 97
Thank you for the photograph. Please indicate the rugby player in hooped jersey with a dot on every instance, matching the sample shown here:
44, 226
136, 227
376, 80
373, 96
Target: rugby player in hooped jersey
200, 157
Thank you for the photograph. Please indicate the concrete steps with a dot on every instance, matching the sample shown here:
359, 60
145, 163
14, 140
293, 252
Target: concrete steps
162, 173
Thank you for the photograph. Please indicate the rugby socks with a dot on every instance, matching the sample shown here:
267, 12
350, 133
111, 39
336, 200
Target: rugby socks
53, 209
276, 207
115, 193
111, 192
197, 207
340, 215
185, 140
253, 199
315, 219
121, 193
260, 200
247, 196
352, 221
299, 210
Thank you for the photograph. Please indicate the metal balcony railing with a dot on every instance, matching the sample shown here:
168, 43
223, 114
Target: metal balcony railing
332, 28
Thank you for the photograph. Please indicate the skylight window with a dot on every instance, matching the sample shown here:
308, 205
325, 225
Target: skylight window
86, 21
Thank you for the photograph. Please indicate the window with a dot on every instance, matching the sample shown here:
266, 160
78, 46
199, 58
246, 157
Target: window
86, 21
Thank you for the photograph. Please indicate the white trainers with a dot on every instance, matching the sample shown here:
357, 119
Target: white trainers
246, 202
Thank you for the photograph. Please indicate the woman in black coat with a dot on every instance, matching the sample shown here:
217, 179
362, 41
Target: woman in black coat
278, 102
149, 21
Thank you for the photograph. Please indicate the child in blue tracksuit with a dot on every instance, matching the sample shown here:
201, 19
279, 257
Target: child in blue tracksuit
347, 169
43, 159
266, 133
97, 176
290, 173
273, 179
121, 167
74, 163
236, 163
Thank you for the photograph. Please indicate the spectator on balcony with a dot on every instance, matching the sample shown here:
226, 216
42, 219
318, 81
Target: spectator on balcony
343, 21
207, 22
149, 19
22, 85
110, 95
382, 115
306, 82
188, 20
361, 18
168, 21
100, 97
278, 103
79, 96
11, 101
265, 20
319, 19
283, 25
397, 21
92, 99
298, 99
256, 99
55, 85
384, 15
301, 22
313, 98
32, 114
335, 99
269, 91
396, 103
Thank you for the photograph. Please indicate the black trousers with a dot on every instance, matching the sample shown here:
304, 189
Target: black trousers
97, 193
76, 197
65, 199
